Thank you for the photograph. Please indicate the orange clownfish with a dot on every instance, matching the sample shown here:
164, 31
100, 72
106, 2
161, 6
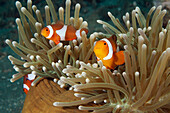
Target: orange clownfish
28, 79
60, 32
106, 51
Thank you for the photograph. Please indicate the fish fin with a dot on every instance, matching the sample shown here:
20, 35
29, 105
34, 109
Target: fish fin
114, 38
113, 66
119, 58
56, 42
84, 29
56, 39
25, 90
60, 22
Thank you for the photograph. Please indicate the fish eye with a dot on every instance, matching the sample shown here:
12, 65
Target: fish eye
104, 43
47, 29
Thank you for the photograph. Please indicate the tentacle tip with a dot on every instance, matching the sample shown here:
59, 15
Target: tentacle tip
154, 7
134, 12
144, 46
9, 57
17, 20
80, 107
25, 65
38, 57
55, 80
53, 63
103, 68
7, 41
32, 84
68, 2
32, 40
109, 13
36, 23
33, 72
23, 9
137, 73
168, 50
18, 4
55, 103
11, 80
60, 44
159, 7
37, 11
32, 67
68, 47
44, 68
99, 21
46, 7
34, 7
81, 63
78, 5
164, 11
14, 43
29, 1
64, 70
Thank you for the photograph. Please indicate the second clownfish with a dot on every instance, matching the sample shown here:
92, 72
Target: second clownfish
60, 32
28, 79
106, 51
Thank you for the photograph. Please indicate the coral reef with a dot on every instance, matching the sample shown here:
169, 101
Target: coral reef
141, 85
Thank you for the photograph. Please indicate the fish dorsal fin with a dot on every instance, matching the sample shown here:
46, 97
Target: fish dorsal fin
114, 38
110, 54
60, 22
58, 25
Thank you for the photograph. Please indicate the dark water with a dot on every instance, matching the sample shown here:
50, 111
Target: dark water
11, 94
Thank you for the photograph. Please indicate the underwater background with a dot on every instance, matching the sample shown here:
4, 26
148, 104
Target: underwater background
11, 94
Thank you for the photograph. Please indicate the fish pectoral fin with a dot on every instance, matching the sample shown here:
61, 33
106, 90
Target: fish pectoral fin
56, 42
119, 58
56, 39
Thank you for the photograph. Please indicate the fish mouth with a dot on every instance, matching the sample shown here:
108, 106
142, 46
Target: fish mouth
97, 50
42, 33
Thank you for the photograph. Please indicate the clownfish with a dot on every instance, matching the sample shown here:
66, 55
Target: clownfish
106, 51
60, 32
28, 79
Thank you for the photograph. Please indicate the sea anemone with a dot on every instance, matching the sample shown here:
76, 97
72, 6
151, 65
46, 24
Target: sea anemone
141, 85
42, 57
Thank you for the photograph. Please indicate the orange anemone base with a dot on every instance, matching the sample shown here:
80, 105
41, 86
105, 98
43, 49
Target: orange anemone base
40, 99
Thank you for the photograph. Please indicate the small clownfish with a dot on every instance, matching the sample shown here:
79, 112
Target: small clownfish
60, 32
28, 79
106, 51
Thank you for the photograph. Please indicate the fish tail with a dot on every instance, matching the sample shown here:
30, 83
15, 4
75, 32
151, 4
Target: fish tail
78, 32
84, 29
